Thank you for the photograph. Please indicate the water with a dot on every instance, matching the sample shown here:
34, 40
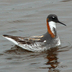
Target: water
27, 18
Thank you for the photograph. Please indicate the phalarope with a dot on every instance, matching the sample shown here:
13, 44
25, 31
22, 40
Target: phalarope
39, 43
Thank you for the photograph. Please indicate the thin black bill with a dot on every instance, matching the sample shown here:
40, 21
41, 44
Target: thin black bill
61, 23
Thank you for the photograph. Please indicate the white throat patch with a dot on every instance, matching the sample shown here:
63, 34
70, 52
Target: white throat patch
52, 25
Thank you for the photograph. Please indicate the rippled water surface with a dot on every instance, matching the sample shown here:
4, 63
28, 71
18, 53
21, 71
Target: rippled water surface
27, 18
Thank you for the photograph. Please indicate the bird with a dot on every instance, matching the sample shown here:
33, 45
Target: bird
39, 43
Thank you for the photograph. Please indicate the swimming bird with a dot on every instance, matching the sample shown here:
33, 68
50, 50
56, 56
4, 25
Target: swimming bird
39, 43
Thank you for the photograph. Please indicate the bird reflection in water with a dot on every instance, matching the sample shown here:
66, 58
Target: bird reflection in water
52, 60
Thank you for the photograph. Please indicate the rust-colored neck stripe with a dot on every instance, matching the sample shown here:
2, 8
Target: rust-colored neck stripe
49, 30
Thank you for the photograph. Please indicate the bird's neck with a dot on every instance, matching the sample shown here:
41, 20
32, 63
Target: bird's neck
51, 26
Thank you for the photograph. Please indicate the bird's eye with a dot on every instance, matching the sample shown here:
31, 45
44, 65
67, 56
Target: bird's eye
53, 17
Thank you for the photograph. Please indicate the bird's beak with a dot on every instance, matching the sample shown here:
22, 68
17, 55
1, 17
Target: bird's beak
61, 23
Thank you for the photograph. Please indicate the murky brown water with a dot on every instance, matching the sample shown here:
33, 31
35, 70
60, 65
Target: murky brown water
27, 18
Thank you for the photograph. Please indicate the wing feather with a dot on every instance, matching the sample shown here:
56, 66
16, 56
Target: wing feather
23, 40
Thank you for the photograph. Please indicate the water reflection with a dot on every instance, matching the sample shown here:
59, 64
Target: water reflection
52, 59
